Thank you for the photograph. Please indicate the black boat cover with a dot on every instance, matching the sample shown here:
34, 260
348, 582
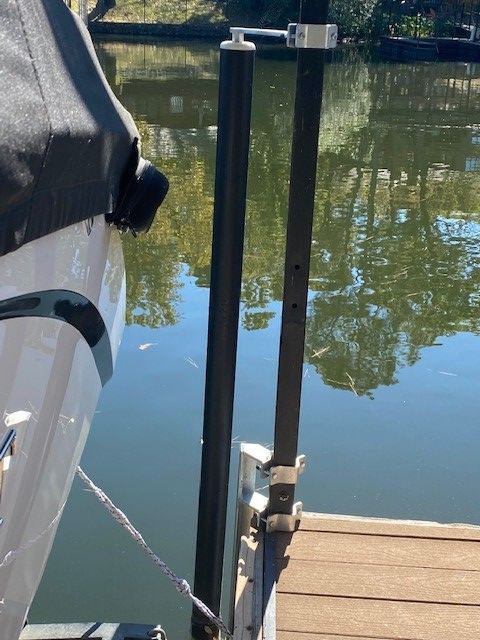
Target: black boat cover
66, 143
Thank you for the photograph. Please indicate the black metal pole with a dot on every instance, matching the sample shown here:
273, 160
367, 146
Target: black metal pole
308, 101
233, 138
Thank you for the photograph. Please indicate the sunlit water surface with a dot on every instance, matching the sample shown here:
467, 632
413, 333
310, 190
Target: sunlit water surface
389, 418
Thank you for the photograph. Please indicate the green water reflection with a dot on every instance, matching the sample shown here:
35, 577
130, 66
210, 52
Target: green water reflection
395, 249
389, 417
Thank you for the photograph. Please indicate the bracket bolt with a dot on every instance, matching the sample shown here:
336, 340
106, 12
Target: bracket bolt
283, 496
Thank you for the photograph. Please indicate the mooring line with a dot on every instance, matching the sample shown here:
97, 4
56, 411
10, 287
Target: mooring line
181, 584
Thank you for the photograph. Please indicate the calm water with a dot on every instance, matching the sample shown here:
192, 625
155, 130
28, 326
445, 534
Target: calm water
392, 362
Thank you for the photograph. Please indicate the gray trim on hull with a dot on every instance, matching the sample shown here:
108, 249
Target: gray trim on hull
70, 307
88, 630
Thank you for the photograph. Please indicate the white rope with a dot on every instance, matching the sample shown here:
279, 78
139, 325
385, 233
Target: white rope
181, 584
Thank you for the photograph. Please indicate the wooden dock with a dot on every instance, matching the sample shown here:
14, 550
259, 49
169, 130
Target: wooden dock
349, 578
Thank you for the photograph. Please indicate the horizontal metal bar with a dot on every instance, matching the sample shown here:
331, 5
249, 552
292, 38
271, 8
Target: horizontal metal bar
239, 32
301, 36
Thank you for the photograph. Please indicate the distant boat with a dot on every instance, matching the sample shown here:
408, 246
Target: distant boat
70, 176
403, 49
459, 49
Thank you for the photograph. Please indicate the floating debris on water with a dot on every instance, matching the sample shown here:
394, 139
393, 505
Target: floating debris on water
146, 345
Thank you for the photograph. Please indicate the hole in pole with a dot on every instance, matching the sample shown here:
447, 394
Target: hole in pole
297, 267
294, 305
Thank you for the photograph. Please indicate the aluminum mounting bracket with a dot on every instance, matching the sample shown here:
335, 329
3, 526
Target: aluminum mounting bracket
300, 36
312, 36
284, 521
287, 475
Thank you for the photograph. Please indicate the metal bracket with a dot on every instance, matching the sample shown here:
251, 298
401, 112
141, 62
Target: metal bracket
254, 459
287, 475
312, 36
285, 521
300, 36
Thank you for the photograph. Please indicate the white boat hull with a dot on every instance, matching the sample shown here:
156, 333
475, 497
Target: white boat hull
62, 307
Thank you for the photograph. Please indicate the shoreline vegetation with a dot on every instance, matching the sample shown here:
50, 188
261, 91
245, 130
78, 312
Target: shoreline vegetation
358, 20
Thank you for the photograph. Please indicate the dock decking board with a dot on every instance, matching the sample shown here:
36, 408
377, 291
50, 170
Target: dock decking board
380, 550
399, 620
377, 526
286, 635
349, 578
380, 582
289, 635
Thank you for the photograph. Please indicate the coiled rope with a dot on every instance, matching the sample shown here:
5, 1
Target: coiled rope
181, 584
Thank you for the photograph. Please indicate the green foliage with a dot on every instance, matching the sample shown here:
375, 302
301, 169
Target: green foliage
356, 19
261, 13
164, 11
412, 26
395, 259
353, 17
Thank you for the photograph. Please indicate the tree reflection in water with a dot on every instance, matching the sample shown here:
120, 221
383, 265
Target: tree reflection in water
395, 253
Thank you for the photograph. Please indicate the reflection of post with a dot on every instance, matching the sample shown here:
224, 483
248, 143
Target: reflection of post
234, 108
373, 182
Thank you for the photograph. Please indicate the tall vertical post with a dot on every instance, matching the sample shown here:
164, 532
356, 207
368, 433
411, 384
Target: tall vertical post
233, 139
308, 101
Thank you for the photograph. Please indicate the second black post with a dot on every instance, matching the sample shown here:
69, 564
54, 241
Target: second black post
233, 140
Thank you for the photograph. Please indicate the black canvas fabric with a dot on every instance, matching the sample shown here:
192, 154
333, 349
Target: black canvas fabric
65, 140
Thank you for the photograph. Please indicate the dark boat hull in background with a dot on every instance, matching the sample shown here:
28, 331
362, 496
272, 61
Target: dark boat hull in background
458, 49
402, 49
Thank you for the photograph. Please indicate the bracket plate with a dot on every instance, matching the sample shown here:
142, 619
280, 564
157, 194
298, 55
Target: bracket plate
287, 475
312, 36
300, 36
284, 521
